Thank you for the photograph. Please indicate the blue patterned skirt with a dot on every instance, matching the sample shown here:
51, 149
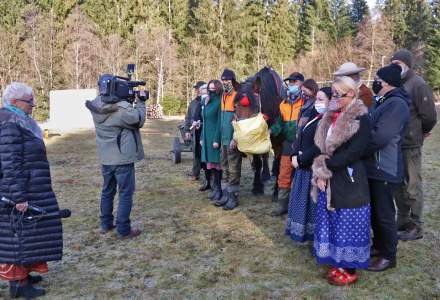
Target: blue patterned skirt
342, 237
301, 216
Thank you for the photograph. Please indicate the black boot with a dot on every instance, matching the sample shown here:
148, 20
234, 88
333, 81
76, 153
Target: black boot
34, 279
26, 291
257, 184
217, 186
232, 201
207, 185
265, 174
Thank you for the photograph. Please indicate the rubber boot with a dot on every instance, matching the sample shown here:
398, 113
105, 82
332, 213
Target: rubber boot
257, 185
207, 184
265, 174
232, 201
25, 289
217, 186
283, 203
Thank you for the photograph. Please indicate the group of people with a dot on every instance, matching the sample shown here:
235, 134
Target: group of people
345, 157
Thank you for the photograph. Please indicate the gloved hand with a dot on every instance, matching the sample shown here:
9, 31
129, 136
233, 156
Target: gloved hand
144, 95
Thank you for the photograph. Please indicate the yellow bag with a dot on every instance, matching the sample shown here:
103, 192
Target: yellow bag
252, 135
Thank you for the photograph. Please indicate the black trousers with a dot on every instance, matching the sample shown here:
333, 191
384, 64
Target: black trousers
383, 218
197, 154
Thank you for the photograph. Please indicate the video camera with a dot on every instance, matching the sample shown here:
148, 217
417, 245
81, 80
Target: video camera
116, 88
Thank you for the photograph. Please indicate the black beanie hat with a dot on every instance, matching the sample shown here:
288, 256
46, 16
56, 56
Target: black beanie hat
403, 55
391, 75
228, 75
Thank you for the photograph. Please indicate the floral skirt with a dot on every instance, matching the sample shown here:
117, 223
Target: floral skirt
342, 237
301, 216
12, 272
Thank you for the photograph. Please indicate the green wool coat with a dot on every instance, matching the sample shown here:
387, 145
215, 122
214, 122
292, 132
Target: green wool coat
210, 134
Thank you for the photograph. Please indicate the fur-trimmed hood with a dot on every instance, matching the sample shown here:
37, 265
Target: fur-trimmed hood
345, 127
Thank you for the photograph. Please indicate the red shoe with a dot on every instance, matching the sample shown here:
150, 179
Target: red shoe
333, 272
344, 278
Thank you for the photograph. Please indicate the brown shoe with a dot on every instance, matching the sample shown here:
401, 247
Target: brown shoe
132, 234
411, 232
381, 264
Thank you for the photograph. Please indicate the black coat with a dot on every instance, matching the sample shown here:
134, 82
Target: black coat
25, 176
350, 192
341, 162
304, 148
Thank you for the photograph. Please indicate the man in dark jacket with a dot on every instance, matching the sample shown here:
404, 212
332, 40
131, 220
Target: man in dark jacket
119, 146
192, 132
409, 197
389, 118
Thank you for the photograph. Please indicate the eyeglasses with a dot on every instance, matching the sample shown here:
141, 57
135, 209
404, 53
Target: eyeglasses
336, 96
29, 102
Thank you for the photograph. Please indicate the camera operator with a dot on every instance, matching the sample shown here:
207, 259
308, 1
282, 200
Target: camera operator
119, 144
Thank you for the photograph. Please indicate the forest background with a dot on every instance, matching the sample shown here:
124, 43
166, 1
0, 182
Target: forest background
67, 44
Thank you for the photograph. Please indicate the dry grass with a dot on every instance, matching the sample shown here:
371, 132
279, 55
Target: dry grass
193, 250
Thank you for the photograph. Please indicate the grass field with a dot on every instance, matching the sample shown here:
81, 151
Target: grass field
190, 249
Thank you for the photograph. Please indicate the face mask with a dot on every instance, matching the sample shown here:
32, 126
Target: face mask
293, 90
211, 94
334, 105
320, 107
227, 87
377, 87
204, 96
403, 73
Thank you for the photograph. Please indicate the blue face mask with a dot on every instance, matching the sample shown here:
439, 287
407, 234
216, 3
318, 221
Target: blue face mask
293, 90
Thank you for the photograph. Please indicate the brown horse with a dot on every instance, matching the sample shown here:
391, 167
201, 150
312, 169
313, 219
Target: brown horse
263, 93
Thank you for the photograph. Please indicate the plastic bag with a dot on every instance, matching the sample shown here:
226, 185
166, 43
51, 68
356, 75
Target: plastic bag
252, 135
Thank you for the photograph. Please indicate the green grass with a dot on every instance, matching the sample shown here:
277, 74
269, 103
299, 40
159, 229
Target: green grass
190, 249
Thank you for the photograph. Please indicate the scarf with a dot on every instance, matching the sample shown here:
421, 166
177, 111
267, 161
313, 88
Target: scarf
25, 121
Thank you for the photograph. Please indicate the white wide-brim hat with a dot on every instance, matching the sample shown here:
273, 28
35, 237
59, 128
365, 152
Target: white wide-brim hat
348, 68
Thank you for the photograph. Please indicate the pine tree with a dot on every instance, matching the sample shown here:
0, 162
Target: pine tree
359, 11
281, 34
433, 51
341, 19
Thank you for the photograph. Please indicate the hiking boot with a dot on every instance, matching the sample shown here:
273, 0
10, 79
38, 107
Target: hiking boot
27, 291
410, 232
107, 230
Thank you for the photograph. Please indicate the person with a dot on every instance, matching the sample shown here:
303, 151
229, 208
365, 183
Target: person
294, 81
197, 124
230, 156
119, 146
301, 212
192, 132
342, 225
354, 72
423, 117
25, 180
285, 126
210, 140
388, 117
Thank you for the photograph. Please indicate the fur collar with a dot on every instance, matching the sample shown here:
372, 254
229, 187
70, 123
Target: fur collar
346, 126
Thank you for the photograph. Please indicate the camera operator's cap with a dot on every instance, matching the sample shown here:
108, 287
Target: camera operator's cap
295, 76
228, 75
348, 68
199, 84
391, 75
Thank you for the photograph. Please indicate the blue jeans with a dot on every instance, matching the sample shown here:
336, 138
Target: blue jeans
120, 177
